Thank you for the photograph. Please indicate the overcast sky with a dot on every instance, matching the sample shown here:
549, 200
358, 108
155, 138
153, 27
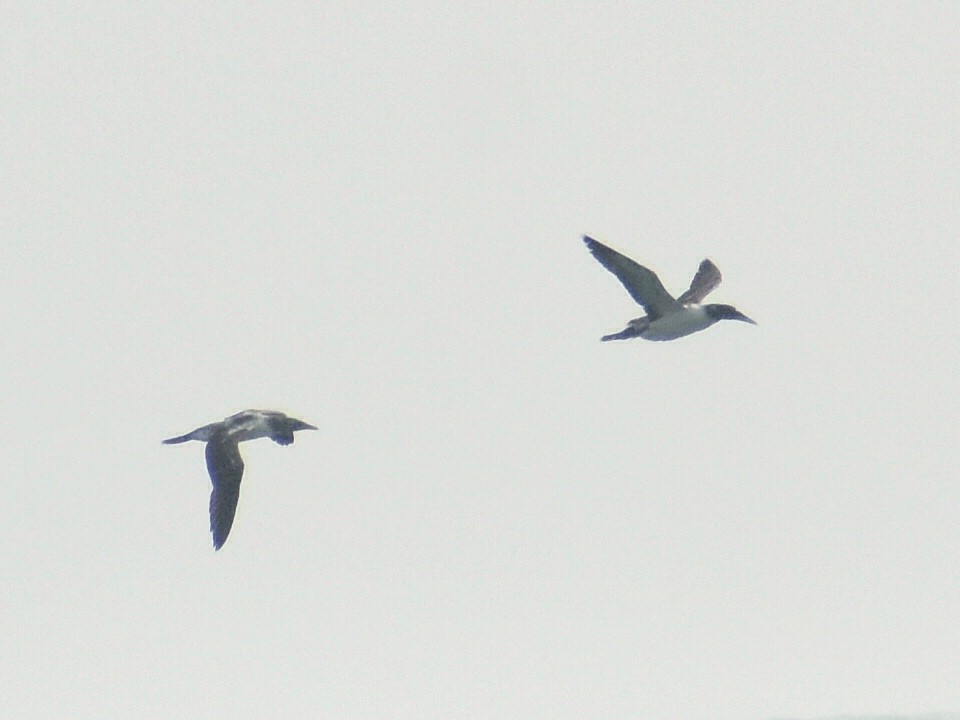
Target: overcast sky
369, 216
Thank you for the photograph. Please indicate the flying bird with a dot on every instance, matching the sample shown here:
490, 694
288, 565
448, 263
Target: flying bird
224, 462
667, 318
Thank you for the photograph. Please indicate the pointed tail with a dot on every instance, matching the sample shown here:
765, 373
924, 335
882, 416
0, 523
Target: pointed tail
626, 334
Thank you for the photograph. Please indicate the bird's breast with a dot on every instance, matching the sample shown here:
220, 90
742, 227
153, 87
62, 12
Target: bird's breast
691, 319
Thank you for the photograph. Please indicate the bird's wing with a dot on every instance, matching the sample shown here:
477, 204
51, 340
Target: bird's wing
643, 284
704, 282
226, 469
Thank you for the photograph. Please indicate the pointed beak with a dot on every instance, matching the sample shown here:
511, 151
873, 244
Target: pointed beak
744, 318
301, 425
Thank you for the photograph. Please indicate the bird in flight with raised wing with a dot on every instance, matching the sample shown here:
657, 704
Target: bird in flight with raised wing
224, 462
667, 318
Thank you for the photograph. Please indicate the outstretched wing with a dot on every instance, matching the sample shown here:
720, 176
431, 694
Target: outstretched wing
226, 469
643, 284
704, 282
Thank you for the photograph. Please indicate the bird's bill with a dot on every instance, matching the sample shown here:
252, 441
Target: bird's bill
301, 425
744, 318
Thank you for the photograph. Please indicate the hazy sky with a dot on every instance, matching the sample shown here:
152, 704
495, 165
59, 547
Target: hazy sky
370, 216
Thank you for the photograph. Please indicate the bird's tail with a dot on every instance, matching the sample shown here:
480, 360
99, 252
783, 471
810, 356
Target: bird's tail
625, 334
203, 434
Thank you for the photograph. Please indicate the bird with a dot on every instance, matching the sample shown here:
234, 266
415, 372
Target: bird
224, 462
667, 318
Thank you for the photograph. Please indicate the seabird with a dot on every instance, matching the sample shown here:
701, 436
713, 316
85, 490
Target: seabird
667, 318
224, 462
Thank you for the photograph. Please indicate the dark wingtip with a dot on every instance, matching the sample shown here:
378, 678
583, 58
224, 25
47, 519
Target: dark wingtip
219, 537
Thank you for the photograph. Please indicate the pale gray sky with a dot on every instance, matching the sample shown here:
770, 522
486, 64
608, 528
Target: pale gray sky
369, 217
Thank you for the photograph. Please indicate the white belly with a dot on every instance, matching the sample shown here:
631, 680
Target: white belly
675, 325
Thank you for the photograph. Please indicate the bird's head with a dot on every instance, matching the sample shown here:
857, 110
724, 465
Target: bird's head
727, 312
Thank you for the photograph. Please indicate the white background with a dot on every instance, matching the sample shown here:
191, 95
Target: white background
370, 217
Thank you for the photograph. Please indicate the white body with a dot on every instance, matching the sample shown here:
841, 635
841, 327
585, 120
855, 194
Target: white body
671, 326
